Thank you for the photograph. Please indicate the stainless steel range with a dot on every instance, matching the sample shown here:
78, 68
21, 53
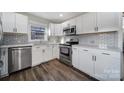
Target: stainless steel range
66, 52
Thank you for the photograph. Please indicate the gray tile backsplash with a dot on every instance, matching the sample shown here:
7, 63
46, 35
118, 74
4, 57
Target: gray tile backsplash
105, 39
10, 39
108, 39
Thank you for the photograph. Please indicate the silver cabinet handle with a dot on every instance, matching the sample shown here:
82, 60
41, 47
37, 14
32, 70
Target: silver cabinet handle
14, 30
85, 50
37, 47
95, 58
105, 54
75, 48
96, 28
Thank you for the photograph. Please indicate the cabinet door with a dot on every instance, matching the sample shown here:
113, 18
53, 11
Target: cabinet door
86, 63
108, 21
58, 30
89, 22
107, 67
66, 24
8, 20
75, 57
37, 55
52, 29
21, 23
55, 51
48, 53
79, 24
72, 22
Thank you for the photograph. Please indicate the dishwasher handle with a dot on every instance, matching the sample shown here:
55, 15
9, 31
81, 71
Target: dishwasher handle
19, 48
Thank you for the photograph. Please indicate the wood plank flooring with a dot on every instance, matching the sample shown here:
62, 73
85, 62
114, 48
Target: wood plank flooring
50, 71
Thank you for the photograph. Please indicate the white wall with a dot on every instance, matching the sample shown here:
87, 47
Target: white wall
35, 18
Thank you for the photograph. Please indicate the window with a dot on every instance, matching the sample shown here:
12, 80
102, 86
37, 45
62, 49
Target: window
38, 31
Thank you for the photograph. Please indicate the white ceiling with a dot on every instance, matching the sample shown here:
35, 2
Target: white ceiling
54, 16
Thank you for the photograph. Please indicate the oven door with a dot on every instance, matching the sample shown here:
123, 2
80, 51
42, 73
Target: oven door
65, 51
65, 54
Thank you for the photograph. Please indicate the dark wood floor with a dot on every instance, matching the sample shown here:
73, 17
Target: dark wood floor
51, 71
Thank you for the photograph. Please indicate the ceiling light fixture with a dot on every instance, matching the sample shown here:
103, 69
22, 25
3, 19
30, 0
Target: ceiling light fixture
61, 15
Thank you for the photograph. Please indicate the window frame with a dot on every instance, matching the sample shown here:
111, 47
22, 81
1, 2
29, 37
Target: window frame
37, 24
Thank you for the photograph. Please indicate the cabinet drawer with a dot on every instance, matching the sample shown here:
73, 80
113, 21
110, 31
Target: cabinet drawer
108, 53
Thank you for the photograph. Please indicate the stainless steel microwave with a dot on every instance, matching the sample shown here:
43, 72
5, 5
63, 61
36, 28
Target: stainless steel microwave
70, 30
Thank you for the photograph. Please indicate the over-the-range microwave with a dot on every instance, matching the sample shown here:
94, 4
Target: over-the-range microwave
69, 30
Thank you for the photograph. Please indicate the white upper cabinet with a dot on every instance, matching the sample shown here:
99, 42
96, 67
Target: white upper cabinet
21, 23
72, 22
65, 24
56, 29
52, 29
69, 23
108, 21
89, 22
14, 22
86, 23
79, 25
94, 22
8, 21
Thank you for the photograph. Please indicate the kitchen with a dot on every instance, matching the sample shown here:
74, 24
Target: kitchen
61, 46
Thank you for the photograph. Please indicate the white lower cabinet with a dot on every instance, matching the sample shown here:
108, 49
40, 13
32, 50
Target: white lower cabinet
37, 55
55, 52
48, 53
107, 65
75, 57
44, 53
85, 61
100, 64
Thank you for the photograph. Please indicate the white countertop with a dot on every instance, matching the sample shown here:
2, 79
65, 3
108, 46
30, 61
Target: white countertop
97, 47
17, 45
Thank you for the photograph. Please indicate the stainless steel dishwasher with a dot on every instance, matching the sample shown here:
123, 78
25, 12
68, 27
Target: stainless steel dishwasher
19, 58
